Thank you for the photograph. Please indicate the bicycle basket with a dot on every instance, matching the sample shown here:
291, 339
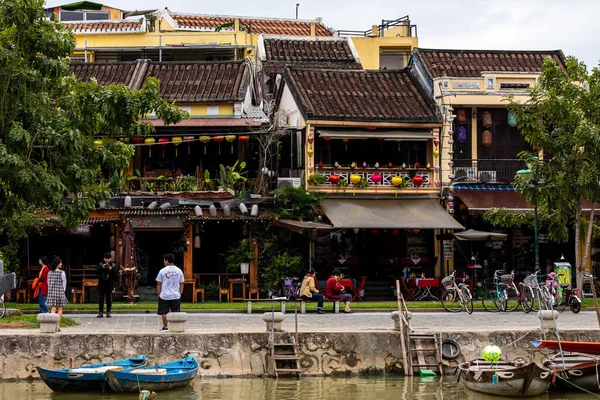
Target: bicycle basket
448, 282
532, 281
506, 279
287, 282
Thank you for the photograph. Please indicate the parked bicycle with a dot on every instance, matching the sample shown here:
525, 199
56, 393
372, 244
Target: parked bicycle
496, 299
543, 298
456, 297
291, 288
504, 295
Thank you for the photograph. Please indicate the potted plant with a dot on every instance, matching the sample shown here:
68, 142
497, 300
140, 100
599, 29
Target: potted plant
316, 179
281, 266
238, 257
211, 290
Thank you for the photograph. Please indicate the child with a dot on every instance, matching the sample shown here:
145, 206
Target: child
57, 284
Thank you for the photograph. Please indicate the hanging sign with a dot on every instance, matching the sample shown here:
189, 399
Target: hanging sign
448, 250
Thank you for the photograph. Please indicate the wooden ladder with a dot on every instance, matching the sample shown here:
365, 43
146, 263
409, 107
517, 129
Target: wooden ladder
285, 357
420, 345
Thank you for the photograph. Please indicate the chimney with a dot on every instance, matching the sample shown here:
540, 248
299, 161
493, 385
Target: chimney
313, 29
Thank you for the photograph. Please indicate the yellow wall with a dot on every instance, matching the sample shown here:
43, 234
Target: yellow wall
368, 48
199, 110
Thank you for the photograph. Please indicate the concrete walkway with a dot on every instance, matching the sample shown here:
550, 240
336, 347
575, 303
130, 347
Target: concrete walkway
357, 322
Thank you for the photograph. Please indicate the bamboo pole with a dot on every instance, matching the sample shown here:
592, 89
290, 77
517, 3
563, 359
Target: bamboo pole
405, 362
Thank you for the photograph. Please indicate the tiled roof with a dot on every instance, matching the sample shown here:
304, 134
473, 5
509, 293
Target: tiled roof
191, 82
210, 122
270, 26
105, 73
133, 26
471, 63
359, 95
308, 52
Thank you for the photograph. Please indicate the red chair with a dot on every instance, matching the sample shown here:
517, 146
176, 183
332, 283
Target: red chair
359, 287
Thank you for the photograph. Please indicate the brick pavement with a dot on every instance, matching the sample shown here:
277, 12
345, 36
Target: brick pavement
357, 322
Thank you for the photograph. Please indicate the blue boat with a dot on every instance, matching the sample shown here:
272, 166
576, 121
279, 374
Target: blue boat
88, 378
154, 378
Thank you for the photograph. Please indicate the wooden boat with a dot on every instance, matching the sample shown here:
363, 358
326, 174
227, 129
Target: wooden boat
574, 347
87, 378
573, 371
505, 378
154, 378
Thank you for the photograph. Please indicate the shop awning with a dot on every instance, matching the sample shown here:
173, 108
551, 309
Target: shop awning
474, 235
399, 134
302, 227
483, 200
392, 214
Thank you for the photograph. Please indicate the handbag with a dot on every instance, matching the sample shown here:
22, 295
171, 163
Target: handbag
36, 286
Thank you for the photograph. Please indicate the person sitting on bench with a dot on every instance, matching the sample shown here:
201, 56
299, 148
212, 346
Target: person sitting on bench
336, 291
308, 291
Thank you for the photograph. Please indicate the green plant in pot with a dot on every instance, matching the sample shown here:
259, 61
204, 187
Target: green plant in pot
238, 256
316, 179
281, 266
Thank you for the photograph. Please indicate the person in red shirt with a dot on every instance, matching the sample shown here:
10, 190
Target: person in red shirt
43, 284
335, 290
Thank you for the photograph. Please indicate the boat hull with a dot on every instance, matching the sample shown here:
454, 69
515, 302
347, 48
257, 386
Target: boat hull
156, 378
577, 371
79, 379
505, 379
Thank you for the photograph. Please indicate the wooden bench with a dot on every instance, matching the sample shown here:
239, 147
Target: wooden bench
282, 301
336, 304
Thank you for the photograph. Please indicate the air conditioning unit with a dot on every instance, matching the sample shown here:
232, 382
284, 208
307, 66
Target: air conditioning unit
462, 174
295, 182
487, 176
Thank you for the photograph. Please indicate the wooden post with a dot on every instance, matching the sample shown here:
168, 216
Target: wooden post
593, 287
188, 265
405, 354
253, 269
118, 239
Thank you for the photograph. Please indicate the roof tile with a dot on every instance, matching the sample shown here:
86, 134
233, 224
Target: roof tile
256, 25
360, 95
471, 63
107, 26
105, 73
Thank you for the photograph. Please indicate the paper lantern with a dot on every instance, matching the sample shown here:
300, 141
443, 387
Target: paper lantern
486, 138
124, 140
461, 134
486, 119
355, 179
254, 210
226, 211
376, 179
491, 353
150, 141
436, 153
230, 139
512, 118
436, 168
437, 183
417, 165
204, 140
326, 138
320, 164
334, 179
311, 168
197, 242
436, 142
461, 116
450, 133
188, 139
397, 181
390, 165
138, 140
345, 140
243, 208
310, 152
450, 142
244, 139
127, 202
198, 212
450, 163
176, 141
218, 140
417, 181
212, 210
98, 143
163, 141
311, 139
451, 177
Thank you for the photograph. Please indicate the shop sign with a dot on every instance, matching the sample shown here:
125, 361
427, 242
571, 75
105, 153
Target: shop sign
156, 222
448, 250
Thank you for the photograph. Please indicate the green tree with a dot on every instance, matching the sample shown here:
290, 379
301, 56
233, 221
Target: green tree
50, 157
561, 118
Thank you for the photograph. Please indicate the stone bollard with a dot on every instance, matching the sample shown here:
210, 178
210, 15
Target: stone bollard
396, 318
277, 318
47, 322
548, 317
177, 321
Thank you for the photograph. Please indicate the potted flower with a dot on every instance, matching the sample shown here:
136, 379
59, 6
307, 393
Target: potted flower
238, 257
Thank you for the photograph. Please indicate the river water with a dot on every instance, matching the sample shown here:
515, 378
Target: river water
396, 388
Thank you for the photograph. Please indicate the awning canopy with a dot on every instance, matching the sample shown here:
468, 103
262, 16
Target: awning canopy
413, 134
302, 227
392, 214
474, 235
483, 200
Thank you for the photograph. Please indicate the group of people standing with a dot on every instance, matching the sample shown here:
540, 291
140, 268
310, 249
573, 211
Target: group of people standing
333, 290
52, 284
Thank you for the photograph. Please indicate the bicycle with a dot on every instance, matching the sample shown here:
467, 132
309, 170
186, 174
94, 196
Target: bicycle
496, 298
505, 296
456, 297
543, 295
291, 288
2, 307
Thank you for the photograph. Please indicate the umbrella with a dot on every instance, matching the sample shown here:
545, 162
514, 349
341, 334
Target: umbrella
128, 260
474, 235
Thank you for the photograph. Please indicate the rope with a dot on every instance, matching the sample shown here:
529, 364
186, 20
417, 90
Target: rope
515, 341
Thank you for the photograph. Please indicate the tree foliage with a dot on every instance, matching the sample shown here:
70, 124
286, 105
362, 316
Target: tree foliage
561, 121
49, 122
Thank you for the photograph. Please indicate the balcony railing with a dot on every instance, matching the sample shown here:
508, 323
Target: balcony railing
385, 25
386, 174
486, 171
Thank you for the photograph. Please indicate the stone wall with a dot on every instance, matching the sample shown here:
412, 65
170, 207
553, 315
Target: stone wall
244, 354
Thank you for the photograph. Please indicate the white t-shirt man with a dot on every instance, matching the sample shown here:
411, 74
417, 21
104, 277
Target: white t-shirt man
170, 278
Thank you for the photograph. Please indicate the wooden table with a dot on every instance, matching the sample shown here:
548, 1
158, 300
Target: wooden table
193, 283
233, 282
424, 285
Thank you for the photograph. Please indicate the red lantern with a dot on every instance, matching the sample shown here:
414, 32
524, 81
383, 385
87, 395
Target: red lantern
311, 139
243, 139
320, 164
218, 140
334, 180
417, 165
376, 178
163, 141
326, 138
390, 165
417, 181
138, 140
